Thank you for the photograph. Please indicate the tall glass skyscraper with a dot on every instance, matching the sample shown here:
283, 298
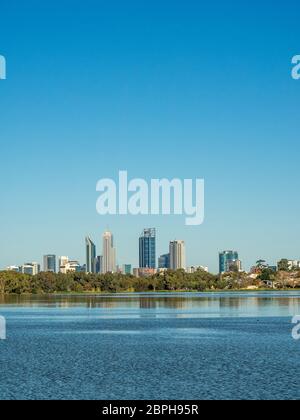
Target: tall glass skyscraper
99, 264
50, 263
227, 259
147, 248
90, 255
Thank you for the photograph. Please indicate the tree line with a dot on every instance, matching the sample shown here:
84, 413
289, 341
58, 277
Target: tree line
49, 283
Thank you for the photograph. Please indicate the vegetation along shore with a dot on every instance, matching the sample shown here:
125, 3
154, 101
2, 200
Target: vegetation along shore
168, 281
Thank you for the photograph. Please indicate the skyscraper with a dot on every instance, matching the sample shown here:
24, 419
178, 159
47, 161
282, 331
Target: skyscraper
50, 263
90, 255
177, 255
147, 248
99, 264
229, 261
109, 253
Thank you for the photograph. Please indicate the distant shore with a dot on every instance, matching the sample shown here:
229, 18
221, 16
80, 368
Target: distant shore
78, 283
165, 292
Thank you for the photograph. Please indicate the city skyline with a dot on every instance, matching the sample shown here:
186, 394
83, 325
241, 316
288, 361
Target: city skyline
228, 260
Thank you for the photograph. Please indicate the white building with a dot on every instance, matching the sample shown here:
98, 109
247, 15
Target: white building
63, 261
68, 266
177, 255
294, 264
109, 253
30, 268
13, 268
194, 269
73, 266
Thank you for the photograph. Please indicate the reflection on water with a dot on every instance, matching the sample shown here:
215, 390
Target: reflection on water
174, 304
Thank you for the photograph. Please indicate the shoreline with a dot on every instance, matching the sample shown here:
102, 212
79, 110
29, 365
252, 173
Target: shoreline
91, 293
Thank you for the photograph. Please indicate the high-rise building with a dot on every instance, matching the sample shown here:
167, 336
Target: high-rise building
109, 253
99, 264
50, 263
229, 261
90, 248
177, 255
164, 261
147, 248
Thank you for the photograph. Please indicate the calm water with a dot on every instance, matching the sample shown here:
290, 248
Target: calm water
162, 346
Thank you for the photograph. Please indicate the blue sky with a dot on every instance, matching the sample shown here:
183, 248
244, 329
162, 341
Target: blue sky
161, 89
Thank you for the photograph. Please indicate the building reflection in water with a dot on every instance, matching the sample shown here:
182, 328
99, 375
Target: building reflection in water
193, 304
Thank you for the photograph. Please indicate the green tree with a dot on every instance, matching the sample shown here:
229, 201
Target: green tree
283, 265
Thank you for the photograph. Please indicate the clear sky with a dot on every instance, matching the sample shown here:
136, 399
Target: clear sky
162, 89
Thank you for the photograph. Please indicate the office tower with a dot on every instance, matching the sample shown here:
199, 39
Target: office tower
109, 253
147, 249
30, 268
229, 261
177, 255
99, 264
90, 255
164, 261
50, 263
127, 269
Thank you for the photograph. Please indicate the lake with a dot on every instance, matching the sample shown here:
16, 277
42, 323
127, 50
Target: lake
151, 346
